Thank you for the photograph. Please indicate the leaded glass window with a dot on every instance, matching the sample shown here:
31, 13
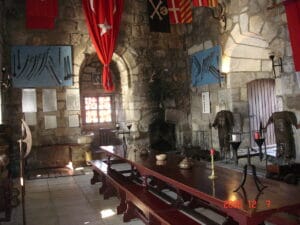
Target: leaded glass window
98, 109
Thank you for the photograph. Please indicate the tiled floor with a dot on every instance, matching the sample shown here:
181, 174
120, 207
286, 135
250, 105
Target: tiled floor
67, 201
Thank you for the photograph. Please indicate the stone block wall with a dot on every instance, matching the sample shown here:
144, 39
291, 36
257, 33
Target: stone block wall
251, 34
138, 54
2, 30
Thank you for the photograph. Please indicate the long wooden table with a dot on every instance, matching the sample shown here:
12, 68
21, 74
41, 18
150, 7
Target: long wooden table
247, 206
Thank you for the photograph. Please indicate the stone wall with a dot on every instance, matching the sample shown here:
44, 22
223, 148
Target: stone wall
2, 30
252, 32
138, 55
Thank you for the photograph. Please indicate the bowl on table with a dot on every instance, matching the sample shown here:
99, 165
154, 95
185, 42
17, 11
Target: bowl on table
161, 157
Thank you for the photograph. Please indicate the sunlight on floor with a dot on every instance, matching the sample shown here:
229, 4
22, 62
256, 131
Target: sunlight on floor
107, 213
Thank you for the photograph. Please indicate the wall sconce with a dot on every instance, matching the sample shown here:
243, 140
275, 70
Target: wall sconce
218, 13
5, 81
276, 62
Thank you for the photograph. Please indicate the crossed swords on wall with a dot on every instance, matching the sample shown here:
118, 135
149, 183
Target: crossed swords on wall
157, 10
34, 65
205, 66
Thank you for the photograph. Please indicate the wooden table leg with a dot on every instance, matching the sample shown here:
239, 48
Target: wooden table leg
96, 177
122, 206
129, 213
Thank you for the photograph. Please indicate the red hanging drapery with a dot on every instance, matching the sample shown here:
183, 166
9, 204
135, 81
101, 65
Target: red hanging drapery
41, 14
292, 8
103, 18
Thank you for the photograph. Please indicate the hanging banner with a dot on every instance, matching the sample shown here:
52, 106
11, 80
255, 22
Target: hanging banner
180, 11
205, 3
205, 67
158, 16
103, 18
41, 66
41, 14
292, 8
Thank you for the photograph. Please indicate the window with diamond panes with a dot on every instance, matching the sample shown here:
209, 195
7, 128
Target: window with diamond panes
98, 109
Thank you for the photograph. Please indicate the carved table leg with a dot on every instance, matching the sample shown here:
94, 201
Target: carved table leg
110, 191
129, 213
122, 206
104, 185
96, 177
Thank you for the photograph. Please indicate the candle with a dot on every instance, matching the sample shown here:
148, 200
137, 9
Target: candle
256, 135
212, 152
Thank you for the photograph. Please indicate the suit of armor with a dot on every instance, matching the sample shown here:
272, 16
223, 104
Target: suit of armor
224, 123
283, 122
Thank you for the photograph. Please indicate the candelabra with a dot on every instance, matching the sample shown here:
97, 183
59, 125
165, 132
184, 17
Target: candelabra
258, 183
259, 139
212, 153
235, 141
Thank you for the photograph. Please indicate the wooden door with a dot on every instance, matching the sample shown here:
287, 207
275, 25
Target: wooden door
262, 103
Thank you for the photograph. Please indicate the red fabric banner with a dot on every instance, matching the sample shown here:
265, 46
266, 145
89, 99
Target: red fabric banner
41, 14
180, 11
103, 18
205, 3
292, 8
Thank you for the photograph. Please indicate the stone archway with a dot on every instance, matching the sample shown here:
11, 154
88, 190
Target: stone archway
125, 65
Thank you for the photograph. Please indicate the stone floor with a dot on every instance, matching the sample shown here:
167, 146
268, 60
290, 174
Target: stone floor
67, 201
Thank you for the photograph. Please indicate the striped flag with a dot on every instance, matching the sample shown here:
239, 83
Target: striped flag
205, 3
180, 11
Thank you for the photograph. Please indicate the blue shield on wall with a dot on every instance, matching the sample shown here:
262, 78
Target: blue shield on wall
41, 66
205, 66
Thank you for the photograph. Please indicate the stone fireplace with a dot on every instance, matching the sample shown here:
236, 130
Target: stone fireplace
162, 135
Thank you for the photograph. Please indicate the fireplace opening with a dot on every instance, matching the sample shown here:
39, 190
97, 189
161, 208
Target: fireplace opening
162, 135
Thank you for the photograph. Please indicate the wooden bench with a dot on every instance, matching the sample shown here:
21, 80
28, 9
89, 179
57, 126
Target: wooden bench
138, 202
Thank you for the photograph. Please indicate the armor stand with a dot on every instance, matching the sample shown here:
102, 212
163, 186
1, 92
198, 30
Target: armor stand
258, 183
235, 146
259, 142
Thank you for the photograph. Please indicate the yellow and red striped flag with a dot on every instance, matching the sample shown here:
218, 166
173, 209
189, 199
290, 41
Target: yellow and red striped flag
205, 3
180, 11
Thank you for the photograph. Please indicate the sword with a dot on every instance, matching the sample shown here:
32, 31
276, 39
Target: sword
19, 63
14, 62
43, 62
45, 59
52, 73
23, 69
33, 66
33, 73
